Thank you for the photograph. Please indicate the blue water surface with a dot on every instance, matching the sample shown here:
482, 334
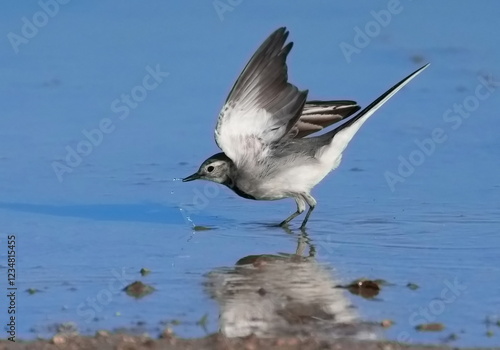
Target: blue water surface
402, 207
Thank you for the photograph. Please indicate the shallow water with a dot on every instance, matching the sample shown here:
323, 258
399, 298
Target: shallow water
81, 240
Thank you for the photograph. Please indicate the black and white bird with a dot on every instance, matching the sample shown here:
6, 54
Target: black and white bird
262, 127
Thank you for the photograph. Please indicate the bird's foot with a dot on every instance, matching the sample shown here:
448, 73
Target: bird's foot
283, 224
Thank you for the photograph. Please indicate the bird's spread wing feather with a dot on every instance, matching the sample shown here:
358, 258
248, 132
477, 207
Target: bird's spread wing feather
262, 106
318, 115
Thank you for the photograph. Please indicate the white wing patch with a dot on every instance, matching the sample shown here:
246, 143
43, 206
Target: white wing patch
247, 133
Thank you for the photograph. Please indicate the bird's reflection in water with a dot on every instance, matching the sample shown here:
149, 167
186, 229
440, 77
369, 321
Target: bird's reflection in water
284, 294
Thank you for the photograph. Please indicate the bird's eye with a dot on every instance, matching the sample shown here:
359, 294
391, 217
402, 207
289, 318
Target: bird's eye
210, 169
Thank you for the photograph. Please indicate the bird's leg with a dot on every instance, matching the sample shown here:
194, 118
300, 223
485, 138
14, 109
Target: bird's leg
301, 206
312, 204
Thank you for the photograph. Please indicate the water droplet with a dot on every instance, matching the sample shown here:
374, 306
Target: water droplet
187, 217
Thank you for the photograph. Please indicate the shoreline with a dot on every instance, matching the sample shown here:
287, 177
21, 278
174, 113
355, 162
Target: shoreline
104, 340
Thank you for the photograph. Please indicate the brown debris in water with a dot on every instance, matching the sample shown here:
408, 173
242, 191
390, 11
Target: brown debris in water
430, 327
138, 289
412, 286
145, 271
387, 323
364, 288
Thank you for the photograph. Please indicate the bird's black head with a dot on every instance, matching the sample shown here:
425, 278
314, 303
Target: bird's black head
216, 168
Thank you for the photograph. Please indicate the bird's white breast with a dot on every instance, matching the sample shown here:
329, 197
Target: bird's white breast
288, 179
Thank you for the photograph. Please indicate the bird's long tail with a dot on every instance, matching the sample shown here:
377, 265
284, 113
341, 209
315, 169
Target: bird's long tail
341, 135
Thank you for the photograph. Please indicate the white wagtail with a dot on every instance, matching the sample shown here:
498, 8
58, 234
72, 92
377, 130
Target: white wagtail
262, 127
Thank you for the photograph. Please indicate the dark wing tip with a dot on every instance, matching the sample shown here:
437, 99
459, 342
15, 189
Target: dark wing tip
280, 30
286, 50
278, 36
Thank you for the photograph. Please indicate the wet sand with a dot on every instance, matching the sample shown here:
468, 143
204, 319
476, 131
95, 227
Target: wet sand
106, 341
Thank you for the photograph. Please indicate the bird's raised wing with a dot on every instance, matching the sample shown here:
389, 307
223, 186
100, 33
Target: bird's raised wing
262, 106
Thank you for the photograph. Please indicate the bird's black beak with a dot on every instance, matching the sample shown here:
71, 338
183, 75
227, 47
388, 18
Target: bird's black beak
195, 176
